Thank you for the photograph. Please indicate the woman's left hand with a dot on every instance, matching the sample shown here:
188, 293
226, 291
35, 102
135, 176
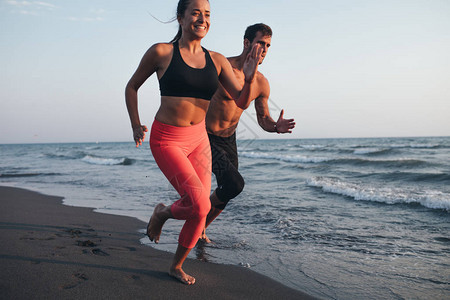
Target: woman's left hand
139, 134
251, 63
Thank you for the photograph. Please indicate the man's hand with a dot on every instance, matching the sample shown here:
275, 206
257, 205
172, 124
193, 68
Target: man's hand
284, 125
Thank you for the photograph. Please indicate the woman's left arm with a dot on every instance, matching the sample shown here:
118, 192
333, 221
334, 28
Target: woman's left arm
228, 80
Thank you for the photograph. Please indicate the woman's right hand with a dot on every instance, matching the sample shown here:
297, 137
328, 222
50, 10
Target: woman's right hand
139, 134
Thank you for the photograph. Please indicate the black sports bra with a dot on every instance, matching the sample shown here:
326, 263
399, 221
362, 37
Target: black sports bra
181, 80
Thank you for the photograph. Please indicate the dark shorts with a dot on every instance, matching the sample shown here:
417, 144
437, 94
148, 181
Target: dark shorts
225, 167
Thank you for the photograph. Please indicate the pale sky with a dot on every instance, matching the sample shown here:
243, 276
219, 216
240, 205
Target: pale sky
350, 68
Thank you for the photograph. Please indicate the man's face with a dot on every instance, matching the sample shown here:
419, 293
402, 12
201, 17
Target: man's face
264, 43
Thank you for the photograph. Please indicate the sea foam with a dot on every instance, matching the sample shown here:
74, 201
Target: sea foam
284, 157
106, 161
390, 195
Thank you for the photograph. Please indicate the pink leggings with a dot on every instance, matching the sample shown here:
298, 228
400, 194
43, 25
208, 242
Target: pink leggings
184, 156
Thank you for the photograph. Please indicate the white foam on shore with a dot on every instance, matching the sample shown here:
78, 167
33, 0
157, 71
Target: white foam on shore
286, 158
363, 151
390, 195
103, 161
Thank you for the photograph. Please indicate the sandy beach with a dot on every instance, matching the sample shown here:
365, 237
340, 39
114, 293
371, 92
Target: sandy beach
53, 251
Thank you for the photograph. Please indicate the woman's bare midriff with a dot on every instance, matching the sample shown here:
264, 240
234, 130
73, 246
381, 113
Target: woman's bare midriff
182, 111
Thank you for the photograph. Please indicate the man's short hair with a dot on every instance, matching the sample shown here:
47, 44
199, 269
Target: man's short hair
250, 32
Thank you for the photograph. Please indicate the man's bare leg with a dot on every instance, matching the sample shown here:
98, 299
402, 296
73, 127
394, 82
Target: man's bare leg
160, 215
176, 271
212, 215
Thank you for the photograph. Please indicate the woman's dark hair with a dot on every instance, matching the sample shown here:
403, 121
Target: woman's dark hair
181, 9
251, 31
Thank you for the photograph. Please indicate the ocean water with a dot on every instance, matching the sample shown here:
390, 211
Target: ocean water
336, 218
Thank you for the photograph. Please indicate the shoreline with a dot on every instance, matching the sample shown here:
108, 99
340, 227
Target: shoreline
54, 251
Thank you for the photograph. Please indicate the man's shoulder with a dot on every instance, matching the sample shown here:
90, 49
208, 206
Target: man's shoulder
262, 80
261, 76
263, 87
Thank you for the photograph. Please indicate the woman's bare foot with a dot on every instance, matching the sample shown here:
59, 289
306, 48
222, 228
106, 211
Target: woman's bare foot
181, 276
156, 222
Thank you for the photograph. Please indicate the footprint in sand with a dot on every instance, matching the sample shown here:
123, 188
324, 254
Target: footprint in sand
79, 277
100, 252
87, 243
131, 249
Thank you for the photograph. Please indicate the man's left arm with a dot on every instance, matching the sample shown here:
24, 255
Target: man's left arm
262, 112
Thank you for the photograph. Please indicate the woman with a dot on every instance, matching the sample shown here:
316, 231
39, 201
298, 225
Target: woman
188, 76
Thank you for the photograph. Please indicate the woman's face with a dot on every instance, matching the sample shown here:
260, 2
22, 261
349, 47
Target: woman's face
196, 21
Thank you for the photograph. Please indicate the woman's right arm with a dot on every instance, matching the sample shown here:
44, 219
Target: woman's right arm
149, 64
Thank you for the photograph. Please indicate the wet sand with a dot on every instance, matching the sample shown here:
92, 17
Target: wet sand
53, 251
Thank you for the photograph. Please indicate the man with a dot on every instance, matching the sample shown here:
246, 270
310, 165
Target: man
223, 117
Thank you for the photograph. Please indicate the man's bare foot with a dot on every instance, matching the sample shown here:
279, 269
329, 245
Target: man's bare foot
204, 238
181, 276
156, 223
